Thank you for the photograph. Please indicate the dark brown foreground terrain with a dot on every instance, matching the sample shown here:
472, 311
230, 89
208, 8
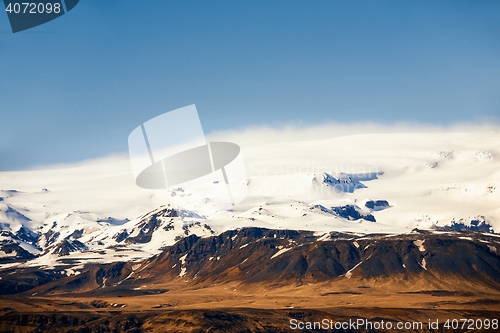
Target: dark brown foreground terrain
228, 319
260, 280
217, 320
225, 308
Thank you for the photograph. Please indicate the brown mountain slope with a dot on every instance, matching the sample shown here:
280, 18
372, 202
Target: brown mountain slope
458, 261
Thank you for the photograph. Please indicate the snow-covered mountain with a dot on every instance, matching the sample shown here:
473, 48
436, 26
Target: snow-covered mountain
370, 183
80, 237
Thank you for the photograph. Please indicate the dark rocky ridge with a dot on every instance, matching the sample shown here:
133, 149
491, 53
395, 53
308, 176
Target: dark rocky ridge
348, 212
474, 225
66, 246
288, 257
250, 255
377, 204
352, 212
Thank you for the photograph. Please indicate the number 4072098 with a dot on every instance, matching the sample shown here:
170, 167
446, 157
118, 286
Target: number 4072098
471, 324
33, 8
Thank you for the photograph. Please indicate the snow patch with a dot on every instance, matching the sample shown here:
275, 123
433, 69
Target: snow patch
280, 252
323, 238
420, 244
348, 274
423, 264
183, 259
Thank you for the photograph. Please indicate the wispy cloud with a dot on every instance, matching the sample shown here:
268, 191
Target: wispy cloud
258, 135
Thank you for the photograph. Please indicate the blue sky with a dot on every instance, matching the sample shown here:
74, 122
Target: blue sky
74, 88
